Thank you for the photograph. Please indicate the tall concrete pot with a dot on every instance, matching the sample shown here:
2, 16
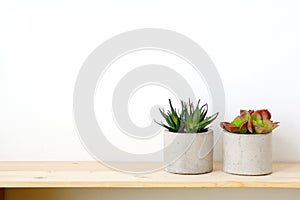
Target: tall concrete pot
188, 153
247, 154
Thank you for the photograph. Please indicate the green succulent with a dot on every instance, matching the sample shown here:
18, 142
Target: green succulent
190, 119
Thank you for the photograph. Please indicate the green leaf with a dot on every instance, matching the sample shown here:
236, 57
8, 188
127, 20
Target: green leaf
189, 119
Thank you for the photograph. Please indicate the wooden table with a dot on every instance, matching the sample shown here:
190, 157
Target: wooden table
94, 175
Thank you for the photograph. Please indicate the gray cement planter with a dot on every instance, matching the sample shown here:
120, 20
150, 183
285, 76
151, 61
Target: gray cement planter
247, 154
188, 153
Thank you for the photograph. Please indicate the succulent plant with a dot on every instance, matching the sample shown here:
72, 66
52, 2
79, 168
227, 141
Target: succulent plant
173, 119
250, 121
189, 119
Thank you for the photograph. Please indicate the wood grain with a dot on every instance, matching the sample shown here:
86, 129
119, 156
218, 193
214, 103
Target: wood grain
2, 194
95, 175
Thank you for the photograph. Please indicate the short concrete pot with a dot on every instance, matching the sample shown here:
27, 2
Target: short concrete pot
188, 153
247, 154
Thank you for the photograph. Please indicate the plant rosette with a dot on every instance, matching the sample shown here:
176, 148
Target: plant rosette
188, 142
247, 143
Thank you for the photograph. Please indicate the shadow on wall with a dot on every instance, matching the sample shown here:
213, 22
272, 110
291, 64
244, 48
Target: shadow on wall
218, 148
281, 147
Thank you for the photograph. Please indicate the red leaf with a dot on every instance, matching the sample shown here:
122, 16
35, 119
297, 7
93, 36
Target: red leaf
265, 114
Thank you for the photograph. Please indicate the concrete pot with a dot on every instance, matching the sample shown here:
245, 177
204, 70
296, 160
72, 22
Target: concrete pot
247, 154
188, 153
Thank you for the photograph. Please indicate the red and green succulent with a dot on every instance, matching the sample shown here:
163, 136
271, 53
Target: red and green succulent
250, 121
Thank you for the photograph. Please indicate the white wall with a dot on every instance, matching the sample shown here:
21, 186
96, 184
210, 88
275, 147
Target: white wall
254, 44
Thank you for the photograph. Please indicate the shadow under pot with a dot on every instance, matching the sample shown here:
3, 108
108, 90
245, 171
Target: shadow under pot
188, 153
247, 154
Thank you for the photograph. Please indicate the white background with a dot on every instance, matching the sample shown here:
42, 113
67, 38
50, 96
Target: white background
254, 44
